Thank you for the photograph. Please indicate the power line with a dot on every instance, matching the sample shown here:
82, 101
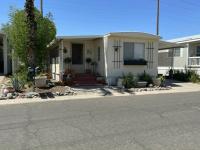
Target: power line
158, 17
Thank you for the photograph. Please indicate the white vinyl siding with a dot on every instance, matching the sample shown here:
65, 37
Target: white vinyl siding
133, 51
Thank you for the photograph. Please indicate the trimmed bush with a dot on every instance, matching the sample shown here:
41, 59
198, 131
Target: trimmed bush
129, 80
145, 77
187, 76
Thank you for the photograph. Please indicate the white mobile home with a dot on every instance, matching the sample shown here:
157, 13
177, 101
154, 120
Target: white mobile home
180, 58
115, 54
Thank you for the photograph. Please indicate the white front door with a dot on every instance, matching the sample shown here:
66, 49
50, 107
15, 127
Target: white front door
78, 58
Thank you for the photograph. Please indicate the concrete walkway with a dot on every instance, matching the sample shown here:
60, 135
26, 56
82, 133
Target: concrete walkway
177, 87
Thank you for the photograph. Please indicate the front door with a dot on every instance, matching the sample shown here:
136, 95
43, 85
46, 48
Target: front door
77, 58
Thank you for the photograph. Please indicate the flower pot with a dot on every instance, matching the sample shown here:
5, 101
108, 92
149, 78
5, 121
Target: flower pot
41, 82
141, 84
119, 82
157, 82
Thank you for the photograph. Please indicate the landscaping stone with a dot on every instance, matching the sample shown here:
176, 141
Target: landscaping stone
10, 96
31, 95
2, 97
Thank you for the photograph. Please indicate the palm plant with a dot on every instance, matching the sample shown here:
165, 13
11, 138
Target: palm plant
31, 28
31, 31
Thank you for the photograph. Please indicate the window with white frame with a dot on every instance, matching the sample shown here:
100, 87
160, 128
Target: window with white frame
175, 52
198, 51
133, 51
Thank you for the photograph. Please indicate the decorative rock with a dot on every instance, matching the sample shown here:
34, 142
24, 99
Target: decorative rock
5, 91
151, 85
31, 94
10, 96
2, 97
57, 93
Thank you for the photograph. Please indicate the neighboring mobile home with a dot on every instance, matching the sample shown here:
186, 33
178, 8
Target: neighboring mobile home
5, 63
180, 58
114, 54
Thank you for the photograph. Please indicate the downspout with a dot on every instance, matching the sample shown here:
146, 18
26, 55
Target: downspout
61, 60
105, 39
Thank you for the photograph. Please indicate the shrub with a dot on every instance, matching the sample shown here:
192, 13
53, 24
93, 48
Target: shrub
17, 84
129, 80
187, 76
181, 76
194, 77
145, 77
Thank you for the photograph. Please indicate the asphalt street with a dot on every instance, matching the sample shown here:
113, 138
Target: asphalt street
150, 122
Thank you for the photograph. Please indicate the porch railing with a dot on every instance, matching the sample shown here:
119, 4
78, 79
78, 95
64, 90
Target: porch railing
194, 61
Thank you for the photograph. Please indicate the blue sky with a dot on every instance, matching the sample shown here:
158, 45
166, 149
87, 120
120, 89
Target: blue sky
77, 17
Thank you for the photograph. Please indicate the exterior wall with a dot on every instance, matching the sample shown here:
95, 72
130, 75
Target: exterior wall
113, 72
165, 63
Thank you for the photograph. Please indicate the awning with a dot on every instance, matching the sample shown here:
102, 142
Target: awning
168, 45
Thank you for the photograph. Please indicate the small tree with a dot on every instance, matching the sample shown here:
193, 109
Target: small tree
17, 32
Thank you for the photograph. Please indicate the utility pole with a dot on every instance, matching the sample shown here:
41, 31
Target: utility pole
41, 7
158, 17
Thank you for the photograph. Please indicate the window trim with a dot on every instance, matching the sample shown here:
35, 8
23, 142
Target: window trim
134, 60
134, 56
173, 49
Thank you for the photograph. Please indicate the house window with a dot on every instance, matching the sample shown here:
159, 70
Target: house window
175, 52
133, 51
198, 51
99, 53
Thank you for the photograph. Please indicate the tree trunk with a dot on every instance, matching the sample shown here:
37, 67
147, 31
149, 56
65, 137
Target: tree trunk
31, 27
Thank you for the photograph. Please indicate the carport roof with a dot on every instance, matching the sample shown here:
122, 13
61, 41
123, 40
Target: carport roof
167, 45
186, 39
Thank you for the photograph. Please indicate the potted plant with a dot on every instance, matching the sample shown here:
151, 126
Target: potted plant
159, 81
88, 61
94, 66
68, 61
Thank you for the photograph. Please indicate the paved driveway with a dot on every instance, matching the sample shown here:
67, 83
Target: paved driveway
154, 122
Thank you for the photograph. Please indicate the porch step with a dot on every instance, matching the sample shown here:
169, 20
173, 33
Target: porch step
85, 79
